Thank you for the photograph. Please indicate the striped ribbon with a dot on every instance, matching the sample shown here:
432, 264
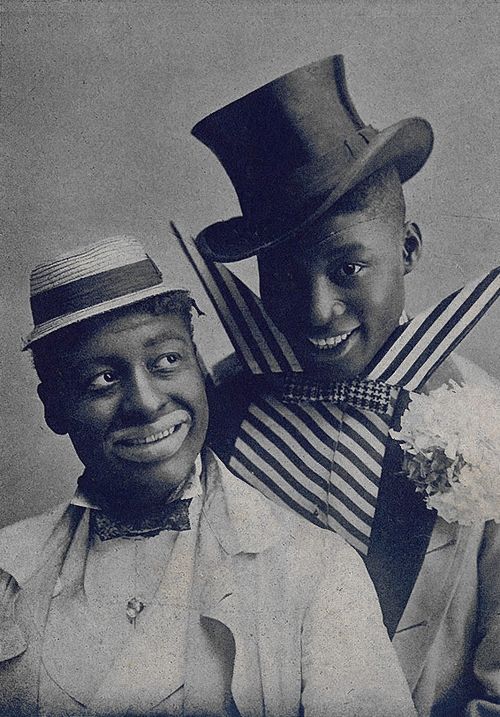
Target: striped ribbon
319, 459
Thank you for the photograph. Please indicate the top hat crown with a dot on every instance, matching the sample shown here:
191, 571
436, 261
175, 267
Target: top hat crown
292, 148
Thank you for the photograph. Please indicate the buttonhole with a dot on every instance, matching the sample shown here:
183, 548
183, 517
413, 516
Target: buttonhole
441, 547
410, 627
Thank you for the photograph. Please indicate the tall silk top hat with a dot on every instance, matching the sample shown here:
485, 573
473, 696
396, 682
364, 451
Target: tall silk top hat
292, 148
112, 273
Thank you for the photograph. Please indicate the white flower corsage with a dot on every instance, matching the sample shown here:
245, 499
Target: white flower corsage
451, 444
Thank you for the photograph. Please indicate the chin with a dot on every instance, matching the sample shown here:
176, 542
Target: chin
329, 367
143, 484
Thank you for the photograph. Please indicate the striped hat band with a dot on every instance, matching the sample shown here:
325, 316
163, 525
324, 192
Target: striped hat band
112, 273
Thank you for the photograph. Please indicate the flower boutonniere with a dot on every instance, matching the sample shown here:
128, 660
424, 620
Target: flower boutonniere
451, 444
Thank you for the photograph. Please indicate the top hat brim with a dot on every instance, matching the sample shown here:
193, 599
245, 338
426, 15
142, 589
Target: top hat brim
405, 145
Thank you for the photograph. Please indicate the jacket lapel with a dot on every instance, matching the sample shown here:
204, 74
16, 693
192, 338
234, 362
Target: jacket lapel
401, 531
236, 525
439, 576
222, 647
31, 553
26, 546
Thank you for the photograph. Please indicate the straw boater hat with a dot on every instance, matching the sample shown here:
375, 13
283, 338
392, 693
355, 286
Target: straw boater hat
95, 279
292, 148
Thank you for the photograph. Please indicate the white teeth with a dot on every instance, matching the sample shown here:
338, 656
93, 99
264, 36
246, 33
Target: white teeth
154, 437
330, 341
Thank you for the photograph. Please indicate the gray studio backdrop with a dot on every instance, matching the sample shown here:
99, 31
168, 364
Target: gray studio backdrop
98, 101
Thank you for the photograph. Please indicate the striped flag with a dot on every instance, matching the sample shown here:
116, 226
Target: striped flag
320, 459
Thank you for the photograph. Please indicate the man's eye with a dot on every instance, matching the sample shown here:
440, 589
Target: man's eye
102, 381
350, 269
168, 361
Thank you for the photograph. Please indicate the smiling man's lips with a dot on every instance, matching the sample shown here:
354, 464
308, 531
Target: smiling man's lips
151, 438
153, 442
331, 342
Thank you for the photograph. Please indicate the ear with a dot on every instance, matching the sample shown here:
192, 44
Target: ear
412, 246
54, 414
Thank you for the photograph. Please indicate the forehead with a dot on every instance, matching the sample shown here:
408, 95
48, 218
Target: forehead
338, 234
124, 335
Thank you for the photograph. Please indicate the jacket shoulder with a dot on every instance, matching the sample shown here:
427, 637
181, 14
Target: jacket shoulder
306, 548
22, 543
472, 373
461, 370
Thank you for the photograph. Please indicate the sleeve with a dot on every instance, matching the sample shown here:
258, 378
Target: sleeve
12, 640
349, 667
487, 656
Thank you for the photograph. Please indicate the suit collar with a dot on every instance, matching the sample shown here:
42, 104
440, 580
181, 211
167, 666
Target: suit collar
240, 517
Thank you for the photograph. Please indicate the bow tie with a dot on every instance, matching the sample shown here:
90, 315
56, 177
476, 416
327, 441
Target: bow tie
175, 516
361, 393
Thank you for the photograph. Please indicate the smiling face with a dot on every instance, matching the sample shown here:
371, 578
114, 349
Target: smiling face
338, 294
132, 399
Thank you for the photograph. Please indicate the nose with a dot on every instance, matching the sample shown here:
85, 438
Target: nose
142, 398
325, 302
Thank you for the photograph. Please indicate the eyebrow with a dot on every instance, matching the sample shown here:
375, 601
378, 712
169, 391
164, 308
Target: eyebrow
347, 248
106, 359
161, 338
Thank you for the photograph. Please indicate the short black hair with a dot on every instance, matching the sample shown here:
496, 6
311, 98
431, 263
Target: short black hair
381, 193
44, 350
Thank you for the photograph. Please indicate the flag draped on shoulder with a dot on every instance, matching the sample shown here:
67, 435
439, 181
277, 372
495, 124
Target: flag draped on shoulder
324, 458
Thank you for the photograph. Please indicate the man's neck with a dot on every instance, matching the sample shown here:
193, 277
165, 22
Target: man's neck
137, 505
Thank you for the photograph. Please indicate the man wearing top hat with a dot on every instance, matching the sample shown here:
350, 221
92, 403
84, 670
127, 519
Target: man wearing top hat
330, 368
167, 586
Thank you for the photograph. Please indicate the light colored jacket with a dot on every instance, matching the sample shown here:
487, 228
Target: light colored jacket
281, 612
448, 638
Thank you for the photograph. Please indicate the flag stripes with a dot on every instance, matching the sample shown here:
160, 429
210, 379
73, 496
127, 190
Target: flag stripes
309, 451
259, 344
231, 323
261, 474
247, 300
424, 342
304, 452
253, 334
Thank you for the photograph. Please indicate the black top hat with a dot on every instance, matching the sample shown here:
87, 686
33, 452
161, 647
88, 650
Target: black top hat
292, 148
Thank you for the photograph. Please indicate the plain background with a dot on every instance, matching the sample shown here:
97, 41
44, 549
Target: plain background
98, 99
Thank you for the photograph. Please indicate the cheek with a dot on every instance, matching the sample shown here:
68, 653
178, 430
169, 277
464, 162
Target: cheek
89, 420
279, 300
385, 290
193, 395
201, 413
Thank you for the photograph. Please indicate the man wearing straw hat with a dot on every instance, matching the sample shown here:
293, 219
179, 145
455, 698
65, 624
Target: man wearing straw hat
167, 586
331, 368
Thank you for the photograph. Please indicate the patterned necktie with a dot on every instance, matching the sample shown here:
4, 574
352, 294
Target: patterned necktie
175, 516
364, 394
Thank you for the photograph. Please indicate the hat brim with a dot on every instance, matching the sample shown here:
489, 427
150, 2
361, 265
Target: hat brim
406, 145
61, 322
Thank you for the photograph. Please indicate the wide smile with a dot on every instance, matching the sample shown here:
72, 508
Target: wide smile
331, 342
155, 442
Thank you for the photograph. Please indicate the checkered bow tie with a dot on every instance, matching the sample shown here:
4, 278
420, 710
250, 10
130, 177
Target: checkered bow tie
366, 394
175, 516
